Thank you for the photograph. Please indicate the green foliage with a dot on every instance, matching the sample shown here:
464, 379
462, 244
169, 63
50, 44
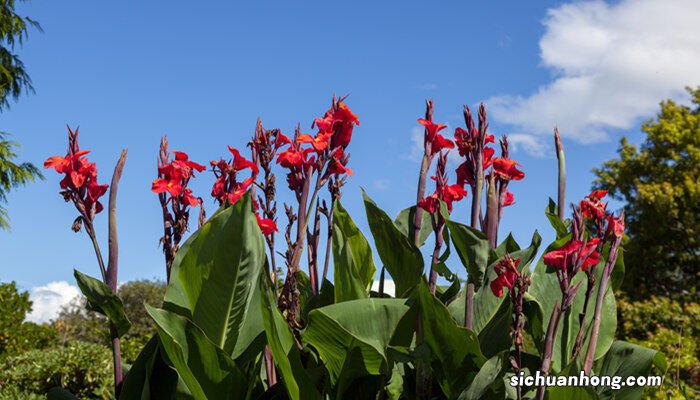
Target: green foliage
14, 79
354, 268
14, 306
82, 368
221, 310
660, 184
101, 299
668, 326
12, 174
17, 336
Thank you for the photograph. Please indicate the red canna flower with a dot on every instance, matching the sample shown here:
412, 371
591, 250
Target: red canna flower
616, 226
466, 141
571, 252
436, 140
267, 226
319, 143
507, 272
509, 199
592, 206
79, 183
507, 169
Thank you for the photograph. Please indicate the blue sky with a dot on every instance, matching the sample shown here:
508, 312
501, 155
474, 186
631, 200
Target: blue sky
128, 72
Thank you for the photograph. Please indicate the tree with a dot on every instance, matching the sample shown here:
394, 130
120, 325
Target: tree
14, 80
660, 184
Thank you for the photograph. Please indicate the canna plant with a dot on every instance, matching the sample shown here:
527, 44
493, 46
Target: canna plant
248, 315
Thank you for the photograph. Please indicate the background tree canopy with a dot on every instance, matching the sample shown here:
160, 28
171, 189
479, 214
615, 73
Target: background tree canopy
660, 184
14, 80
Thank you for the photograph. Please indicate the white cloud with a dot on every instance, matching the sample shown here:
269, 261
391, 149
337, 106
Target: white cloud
389, 287
611, 65
48, 300
528, 143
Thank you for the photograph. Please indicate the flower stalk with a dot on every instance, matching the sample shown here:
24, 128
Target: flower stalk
113, 267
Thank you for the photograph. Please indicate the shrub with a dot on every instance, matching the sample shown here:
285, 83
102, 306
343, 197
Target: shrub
82, 368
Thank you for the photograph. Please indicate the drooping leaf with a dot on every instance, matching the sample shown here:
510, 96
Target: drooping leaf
205, 368
353, 266
103, 300
283, 346
625, 360
455, 356
398, 254
404, 222
366, 325
215, 272
472, 246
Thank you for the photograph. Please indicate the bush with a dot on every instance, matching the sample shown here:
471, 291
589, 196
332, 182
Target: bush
14, 307
657, 323
84, 369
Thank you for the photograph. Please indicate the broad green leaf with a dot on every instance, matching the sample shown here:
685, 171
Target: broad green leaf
624, 360
400, 257
215, 272
251, 339
366, 325
353, 266
545, 289
284, 348
206, 369
488, 383
472, 246
150, 377
404, 222
454, 350
552, 214
494, 337
101, 299
394, 389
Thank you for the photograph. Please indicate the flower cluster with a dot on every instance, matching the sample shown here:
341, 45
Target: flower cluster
173, 178
574, 255
505, 170
227, 188
470, 142
433, 138
507, 273
592, 206
80, 183
443, 191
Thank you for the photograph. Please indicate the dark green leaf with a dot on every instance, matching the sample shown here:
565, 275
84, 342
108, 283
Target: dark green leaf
472, 246
366, 325
400, 257
488, 379
215, 273
284, 347
353, 266
625, 360
454, 351
206, 369
404, 222
101, 299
